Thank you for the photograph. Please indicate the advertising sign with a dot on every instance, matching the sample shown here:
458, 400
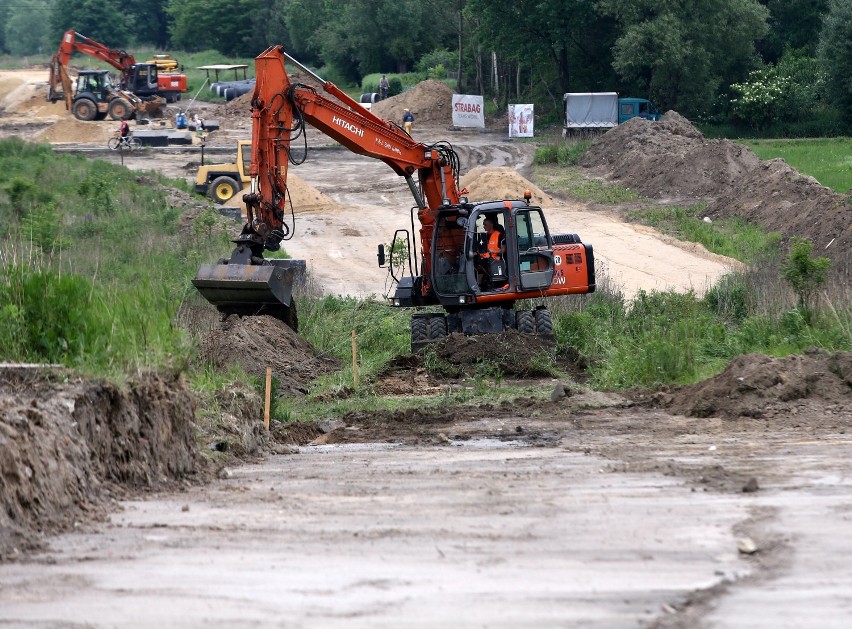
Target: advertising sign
520, 121
468, 111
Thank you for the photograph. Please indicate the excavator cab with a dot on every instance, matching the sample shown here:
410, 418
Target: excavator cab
463, 270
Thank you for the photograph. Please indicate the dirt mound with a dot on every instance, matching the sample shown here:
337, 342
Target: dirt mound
431, 103
513, 353
69, 129
778, 197
760, 386
304, 196
485, 183
66, 443
256, 343
669, 159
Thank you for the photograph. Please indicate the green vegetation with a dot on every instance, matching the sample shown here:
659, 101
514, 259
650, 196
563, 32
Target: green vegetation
571, 182
664, 338
95, 263
562, 153
829, 161
731, 237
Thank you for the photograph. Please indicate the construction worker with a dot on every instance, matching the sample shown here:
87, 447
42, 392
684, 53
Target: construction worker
407, 120
491, 272
495, 239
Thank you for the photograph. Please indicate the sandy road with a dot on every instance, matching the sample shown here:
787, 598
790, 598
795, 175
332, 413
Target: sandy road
615, 519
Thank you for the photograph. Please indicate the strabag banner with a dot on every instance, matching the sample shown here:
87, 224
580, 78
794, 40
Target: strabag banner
520, 121
468, 111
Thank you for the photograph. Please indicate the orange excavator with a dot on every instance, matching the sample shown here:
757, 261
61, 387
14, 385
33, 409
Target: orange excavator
94, 92
476, 277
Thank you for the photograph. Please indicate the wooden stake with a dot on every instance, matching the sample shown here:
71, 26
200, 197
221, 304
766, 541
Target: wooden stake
354, 359
268, 396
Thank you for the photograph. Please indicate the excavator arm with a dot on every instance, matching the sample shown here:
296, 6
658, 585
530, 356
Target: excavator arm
280, 109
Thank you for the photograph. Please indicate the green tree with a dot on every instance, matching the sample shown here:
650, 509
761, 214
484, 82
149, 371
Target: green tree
104, 21
681, 53
835, 53
149, 22
214, 25
26, 28
357, 37
792, 24
568, 37
804, 273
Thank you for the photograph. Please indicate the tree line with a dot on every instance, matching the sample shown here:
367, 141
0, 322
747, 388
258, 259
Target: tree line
756, 63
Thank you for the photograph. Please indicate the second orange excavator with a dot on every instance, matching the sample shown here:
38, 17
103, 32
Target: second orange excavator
476, 277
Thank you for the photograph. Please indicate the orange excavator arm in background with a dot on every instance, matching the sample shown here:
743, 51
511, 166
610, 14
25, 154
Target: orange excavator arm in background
72, 42
279, 110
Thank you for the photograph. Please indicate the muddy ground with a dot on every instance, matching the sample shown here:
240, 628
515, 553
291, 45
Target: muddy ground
723, 504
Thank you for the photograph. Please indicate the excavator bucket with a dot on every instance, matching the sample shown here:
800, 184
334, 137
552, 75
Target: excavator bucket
252, 289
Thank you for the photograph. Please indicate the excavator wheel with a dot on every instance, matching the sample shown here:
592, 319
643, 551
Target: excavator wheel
437, 327
84, 109
543, 322
120, 109
526, 322
222, 189
419, 333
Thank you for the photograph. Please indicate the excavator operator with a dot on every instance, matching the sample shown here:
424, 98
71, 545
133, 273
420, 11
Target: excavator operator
491, 270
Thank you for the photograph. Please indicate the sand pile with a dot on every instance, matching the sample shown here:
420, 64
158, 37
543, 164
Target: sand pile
65, 441
305, 197
68, 129
431, 103
669, 159
488, 183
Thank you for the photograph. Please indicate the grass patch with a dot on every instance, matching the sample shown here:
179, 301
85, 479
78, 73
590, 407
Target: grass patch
320, 405
562, 153
828, 160
77, 284
569, 181
671, 338
732, 237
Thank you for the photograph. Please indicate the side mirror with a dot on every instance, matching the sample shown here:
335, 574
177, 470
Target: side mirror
381, 255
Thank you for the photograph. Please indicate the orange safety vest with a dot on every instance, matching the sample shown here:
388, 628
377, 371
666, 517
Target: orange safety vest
495, 252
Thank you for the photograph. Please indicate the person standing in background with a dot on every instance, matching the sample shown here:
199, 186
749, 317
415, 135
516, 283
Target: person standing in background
383, 87
407, 120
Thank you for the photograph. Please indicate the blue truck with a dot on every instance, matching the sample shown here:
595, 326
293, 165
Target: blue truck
604, 110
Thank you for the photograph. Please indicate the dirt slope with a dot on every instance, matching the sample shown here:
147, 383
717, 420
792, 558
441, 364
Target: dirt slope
671, 160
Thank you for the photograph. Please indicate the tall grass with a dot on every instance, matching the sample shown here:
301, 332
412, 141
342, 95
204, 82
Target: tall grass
665, 338
732, 237
95, 262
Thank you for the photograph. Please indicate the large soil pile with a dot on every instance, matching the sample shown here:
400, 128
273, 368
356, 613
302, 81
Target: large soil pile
485, 183
760, 386
781, 199
431, 103
66, 443
671, 159
256, 343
